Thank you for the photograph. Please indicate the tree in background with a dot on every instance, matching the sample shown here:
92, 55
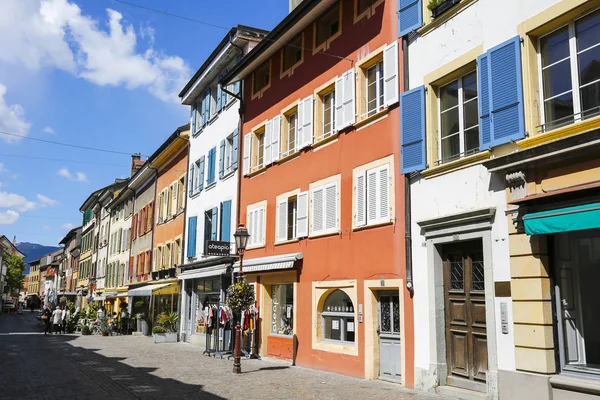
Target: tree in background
14, 274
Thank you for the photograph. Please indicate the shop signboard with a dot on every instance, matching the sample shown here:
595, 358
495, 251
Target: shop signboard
217, 248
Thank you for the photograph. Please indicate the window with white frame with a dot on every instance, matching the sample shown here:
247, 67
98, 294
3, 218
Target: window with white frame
324, 200
328, 114
569, 60
459, 118
292, 217
292, 127
338, 318
373, 195
228, 154
260, 150
374, 88
180, 194
256, 219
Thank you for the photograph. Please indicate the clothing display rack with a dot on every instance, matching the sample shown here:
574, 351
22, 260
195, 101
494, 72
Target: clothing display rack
218, 323
249, 324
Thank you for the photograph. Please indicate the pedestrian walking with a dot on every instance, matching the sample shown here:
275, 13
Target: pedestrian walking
57, 319
31, 305
46, 316
66, 314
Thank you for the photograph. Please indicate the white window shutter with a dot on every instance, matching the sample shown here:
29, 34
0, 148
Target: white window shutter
359, 196
372, 196
247, 149
282, 210
348, 95
174, 202
307, 122
390, 74
251, 228
331, 202
268, 129
299, 127
339, 104
261, 225
385, 210
275, 134
302, 215
317, 210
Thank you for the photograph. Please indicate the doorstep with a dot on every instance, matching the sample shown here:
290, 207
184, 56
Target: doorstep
459, 393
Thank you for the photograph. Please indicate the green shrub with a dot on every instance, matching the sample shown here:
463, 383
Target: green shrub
434, 3
168, 321
158, 329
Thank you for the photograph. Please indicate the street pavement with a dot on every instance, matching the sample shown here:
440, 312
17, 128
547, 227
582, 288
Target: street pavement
44, 367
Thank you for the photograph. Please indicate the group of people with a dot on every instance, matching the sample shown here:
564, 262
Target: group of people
56, 320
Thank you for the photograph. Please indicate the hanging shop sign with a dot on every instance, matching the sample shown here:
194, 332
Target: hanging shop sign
216, 248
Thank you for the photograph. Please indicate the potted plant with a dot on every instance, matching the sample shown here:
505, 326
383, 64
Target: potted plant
154, 275
166, 330
103, 326
438, 7
171, 272
162, 274
85, 330
142, 324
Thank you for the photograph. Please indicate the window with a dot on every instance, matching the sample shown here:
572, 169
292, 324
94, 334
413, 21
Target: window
180, 194
292, 217
338, 317
327, 27
325, 215
255, 220
289, 141
570, 73
260, 150
363, 5
282, 317
373, 194
211, 224
328, 114
374, 88
229, 155
177, 252
261, 79
459, 118
292, 55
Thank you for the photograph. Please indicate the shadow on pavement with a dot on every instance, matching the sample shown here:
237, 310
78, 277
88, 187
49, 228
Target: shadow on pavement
267, 369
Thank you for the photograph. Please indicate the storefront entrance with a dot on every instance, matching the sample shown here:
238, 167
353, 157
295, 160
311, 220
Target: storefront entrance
390, 354
464, 303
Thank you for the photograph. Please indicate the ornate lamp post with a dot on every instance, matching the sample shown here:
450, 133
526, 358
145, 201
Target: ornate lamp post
241, 236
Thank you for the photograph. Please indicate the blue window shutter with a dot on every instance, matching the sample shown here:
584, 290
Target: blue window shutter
506, 92
208, 171
211, 165
201, 176
222, 159
219, 105
226, 221
234, 155
214, 223
191, 244
191, 181
412, 130
194, 111
410, 16
483, 89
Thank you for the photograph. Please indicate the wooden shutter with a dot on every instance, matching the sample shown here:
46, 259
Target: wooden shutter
410, 16
349, 93
190, 183
275, 135
148, 262
372, 198
506, 92
191, 243
385, 206
226, 221
214, 223
412, 130
141, 261
306, 136
360, 199
267, 141
139, 222
247, 147
150, 215
483, 91
318, 212
331, 211
193, 121
251, 225
339, 104
222, 159
131, 267
120, 240
261, 225
234, 153
134, 227
201, 174
219, 104
390, 74
282, 210
302, 215
173, 199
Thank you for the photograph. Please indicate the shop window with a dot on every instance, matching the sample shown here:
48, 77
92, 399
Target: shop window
292, 55
459, 118
282, 316
261, 79
338, 318
327, 27
569, 60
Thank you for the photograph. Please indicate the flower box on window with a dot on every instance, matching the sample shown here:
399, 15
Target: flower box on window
154, 275
438, 7
171, 272
162, 274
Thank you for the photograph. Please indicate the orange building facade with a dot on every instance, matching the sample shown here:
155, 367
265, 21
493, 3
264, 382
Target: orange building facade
322, 194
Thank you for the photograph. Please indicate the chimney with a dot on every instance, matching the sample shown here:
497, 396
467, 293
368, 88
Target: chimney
136, 163
293, 4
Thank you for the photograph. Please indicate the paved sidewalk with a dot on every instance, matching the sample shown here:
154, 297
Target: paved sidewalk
132, 367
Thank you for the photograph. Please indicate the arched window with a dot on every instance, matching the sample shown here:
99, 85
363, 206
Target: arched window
338, 317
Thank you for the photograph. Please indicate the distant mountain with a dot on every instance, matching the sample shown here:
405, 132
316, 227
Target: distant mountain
33, 251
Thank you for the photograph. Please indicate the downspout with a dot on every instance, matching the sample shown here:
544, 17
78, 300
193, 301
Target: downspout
407, 205
186, 193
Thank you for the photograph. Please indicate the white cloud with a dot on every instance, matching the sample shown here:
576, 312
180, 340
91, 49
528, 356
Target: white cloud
48, 130
46, 201
8, 217
67, 226
12, 117
77, 177
16, 201
57, 34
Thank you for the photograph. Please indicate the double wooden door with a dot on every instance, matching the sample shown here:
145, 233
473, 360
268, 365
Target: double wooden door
464, 297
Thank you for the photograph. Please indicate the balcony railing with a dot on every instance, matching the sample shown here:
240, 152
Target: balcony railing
568, 120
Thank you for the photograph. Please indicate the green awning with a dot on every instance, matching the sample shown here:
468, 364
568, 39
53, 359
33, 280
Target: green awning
567, 219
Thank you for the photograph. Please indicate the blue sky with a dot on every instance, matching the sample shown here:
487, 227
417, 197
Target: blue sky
96, 73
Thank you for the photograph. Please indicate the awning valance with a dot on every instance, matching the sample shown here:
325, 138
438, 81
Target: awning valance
567, 219
148, 289
214, 270
272, 263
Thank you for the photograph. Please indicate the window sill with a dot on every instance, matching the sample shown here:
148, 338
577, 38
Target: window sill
287, 242
213, 118
320, 235
256, 172
336, 347
576, 384
198, 131
457, 164
451, 13
210, 185
380, 114
282, 336
560, 133
230, 103
257, 246
227, 175
377, 225
326, 140
288, 157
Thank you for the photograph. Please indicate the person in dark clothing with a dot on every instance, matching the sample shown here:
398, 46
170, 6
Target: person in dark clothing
46, 316
31, 305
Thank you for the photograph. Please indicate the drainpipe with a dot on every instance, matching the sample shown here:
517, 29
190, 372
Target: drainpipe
186, 193
407, 205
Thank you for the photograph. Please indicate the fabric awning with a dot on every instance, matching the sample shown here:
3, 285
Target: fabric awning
148, 289
567, 219
99, 298
214, 270
273, 263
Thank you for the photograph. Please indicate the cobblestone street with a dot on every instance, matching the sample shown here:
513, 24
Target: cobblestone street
36, 366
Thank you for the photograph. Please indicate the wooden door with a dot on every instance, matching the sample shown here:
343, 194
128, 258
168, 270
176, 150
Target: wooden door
464, 297
390, 350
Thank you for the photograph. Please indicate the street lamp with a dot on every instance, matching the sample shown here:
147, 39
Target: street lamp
241, 236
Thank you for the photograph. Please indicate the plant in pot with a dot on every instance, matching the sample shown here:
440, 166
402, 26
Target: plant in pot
171, 272
140, 317
103, 326
438, 7
166, 330
85, 330
154, 275
162, 274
